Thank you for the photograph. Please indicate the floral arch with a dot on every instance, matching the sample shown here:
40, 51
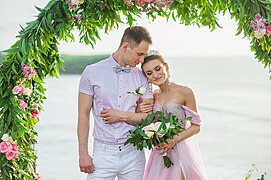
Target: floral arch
35, 56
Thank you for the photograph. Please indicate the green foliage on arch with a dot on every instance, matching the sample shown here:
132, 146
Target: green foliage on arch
35, 56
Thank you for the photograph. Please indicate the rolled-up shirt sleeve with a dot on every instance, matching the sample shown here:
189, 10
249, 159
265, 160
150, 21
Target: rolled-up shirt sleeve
85, 85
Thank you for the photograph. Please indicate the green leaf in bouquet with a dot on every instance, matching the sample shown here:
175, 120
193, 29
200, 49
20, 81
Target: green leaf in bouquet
165, 131
159, 115
149, 118
188, 118
142, 133
170, 119
149, 142
132, 134
139, 146
156, 140
175, 119
145, 145
127, 142
143, 121
175, 131
167, 161
162, 126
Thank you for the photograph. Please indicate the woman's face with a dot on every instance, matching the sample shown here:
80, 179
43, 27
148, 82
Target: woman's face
156, 71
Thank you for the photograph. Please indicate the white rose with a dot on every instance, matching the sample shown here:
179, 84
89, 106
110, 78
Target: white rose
149, 127
149, 130
81, 1
168, 126
141, 90
27, 91
159, 133
5, 137
156, 126
77, 2
149, 134
11, 140
259, 33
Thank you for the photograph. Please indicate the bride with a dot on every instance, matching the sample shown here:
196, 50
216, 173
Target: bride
182, 149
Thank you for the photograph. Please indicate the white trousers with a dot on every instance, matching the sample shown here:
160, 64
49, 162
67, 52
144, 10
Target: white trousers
110, 161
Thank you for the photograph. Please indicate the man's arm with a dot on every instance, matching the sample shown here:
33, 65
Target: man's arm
112, 116
84, 108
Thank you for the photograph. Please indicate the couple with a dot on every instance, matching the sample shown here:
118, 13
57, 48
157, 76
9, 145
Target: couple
104, 88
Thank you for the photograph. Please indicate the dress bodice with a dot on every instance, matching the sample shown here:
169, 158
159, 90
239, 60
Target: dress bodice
171, 107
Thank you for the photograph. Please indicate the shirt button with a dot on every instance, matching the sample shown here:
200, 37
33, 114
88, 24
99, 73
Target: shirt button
119, 96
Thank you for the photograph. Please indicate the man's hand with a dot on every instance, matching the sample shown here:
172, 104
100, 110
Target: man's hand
111, 116
86, 164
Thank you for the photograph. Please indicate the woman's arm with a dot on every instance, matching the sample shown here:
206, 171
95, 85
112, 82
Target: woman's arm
190, 102
112, 115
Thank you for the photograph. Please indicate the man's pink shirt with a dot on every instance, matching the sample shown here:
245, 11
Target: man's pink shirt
109, 90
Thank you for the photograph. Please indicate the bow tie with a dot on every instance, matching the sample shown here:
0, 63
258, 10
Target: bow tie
126, 69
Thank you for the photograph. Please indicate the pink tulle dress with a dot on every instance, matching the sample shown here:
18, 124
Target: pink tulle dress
185, 155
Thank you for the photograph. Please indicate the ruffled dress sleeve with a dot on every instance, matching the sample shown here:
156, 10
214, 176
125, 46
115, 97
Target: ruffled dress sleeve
196, 119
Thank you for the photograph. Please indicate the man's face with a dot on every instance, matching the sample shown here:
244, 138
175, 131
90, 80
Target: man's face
135, 55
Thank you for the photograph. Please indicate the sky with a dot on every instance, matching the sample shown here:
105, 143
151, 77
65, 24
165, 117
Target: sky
169, 38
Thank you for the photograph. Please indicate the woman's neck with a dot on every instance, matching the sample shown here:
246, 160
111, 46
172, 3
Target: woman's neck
166, 87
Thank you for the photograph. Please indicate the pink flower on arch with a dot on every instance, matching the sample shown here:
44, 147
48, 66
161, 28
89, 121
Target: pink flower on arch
22, 104
268, 29
141, 2
14, 147
16, 90
16, 154
19, 89
10, 155
35, 113
5, 147
9, 147
258, 17
28, 72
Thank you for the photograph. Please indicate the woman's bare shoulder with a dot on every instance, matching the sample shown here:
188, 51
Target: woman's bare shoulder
183, 89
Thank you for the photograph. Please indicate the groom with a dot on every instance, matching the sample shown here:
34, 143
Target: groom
103, 89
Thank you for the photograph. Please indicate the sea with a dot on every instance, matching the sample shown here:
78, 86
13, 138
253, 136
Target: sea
233, 97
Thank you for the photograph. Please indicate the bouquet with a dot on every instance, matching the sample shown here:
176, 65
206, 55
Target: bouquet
155, 129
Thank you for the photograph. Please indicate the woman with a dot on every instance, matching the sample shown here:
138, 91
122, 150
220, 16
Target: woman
182, 149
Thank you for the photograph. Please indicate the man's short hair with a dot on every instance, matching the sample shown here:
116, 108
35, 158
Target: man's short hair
135, 35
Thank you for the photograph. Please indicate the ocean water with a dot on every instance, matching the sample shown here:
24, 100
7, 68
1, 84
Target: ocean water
233, 98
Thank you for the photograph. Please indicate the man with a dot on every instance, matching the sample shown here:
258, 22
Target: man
104, 88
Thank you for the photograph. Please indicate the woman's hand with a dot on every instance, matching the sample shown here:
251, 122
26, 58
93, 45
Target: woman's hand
145, 107
166, 147
112, 115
